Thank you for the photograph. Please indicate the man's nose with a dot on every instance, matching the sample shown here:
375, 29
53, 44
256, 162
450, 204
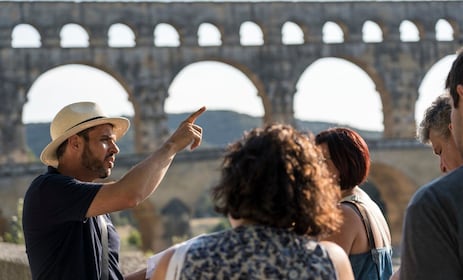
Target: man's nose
114, 148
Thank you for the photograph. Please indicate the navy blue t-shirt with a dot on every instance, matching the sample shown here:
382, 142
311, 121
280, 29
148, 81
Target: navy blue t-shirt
60, 242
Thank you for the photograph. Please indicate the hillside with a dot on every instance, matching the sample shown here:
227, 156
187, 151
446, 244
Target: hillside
220, 128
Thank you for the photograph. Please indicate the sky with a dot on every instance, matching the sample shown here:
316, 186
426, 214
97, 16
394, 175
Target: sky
219, 86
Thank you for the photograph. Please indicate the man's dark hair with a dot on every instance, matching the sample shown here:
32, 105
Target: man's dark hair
62, 147
455, 78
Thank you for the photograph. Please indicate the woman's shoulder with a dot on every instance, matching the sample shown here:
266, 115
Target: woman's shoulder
339, 259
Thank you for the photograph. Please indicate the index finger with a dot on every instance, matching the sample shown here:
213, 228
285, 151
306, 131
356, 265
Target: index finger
192, 118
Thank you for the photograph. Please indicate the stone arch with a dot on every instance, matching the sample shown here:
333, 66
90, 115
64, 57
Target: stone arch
251, 34
455, 27
74, 89
395, 188
74, 36
444, 30
352, 67
166, 35
121, 36
372, 32
209, 35
25, 36
429, 91
292, 34
242, 69
337, 31
410, 28
381, 89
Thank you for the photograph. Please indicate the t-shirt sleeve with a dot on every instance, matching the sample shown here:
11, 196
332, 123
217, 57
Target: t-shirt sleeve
66, 199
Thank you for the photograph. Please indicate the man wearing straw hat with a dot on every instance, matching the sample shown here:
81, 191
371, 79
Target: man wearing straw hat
65, 211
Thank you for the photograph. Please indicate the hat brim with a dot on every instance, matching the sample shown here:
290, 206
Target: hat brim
48, 155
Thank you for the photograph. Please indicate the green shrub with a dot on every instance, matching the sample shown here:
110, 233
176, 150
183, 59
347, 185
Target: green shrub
15, 234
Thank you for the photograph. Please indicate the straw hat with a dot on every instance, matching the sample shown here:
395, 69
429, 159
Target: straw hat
74, 118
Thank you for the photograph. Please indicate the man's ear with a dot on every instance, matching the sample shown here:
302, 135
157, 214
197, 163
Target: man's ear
460, 90
74, 142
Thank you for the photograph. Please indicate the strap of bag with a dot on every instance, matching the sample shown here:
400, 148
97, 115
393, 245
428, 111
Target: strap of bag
176, 261
366, 222
104, 243
178, 258
360, 210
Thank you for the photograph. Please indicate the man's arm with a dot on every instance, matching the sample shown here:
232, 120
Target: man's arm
143, 179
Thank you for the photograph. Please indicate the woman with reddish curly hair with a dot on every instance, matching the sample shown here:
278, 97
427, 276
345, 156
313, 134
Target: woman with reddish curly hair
279, 198
364, 234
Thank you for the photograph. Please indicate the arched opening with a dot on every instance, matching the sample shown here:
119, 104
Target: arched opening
251, 34
332, 33
209, 35
73, 36
292, 34
444, 31
165, 35
409, 32
25, 36
230, 97
326, 94
433, 85
68, 84
371, 32
121, 36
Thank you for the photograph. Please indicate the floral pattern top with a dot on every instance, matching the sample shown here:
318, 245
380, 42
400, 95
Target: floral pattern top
256, 252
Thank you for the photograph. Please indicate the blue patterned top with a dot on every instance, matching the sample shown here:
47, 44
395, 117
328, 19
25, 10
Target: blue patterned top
256, 252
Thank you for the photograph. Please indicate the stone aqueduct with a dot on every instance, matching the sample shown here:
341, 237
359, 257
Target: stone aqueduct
397, 68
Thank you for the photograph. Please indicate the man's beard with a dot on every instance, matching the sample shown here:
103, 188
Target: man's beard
93, 164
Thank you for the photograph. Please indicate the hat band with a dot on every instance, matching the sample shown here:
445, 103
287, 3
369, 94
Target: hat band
99, 117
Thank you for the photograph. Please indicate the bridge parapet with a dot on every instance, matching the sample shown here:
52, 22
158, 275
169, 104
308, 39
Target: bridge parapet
125, 161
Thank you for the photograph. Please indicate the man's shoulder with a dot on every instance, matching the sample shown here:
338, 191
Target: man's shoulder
448, 181
49, 176
447, 187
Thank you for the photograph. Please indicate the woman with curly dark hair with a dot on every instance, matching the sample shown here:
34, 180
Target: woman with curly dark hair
364, 233
279, 198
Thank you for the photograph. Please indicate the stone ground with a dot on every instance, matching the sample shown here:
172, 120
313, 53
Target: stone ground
130, 261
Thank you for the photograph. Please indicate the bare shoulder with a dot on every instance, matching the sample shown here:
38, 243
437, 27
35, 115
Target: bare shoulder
349, 214
163, 263
334, 250
340, 260
352, 224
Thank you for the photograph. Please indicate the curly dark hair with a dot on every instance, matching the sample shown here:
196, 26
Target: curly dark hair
276, 176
